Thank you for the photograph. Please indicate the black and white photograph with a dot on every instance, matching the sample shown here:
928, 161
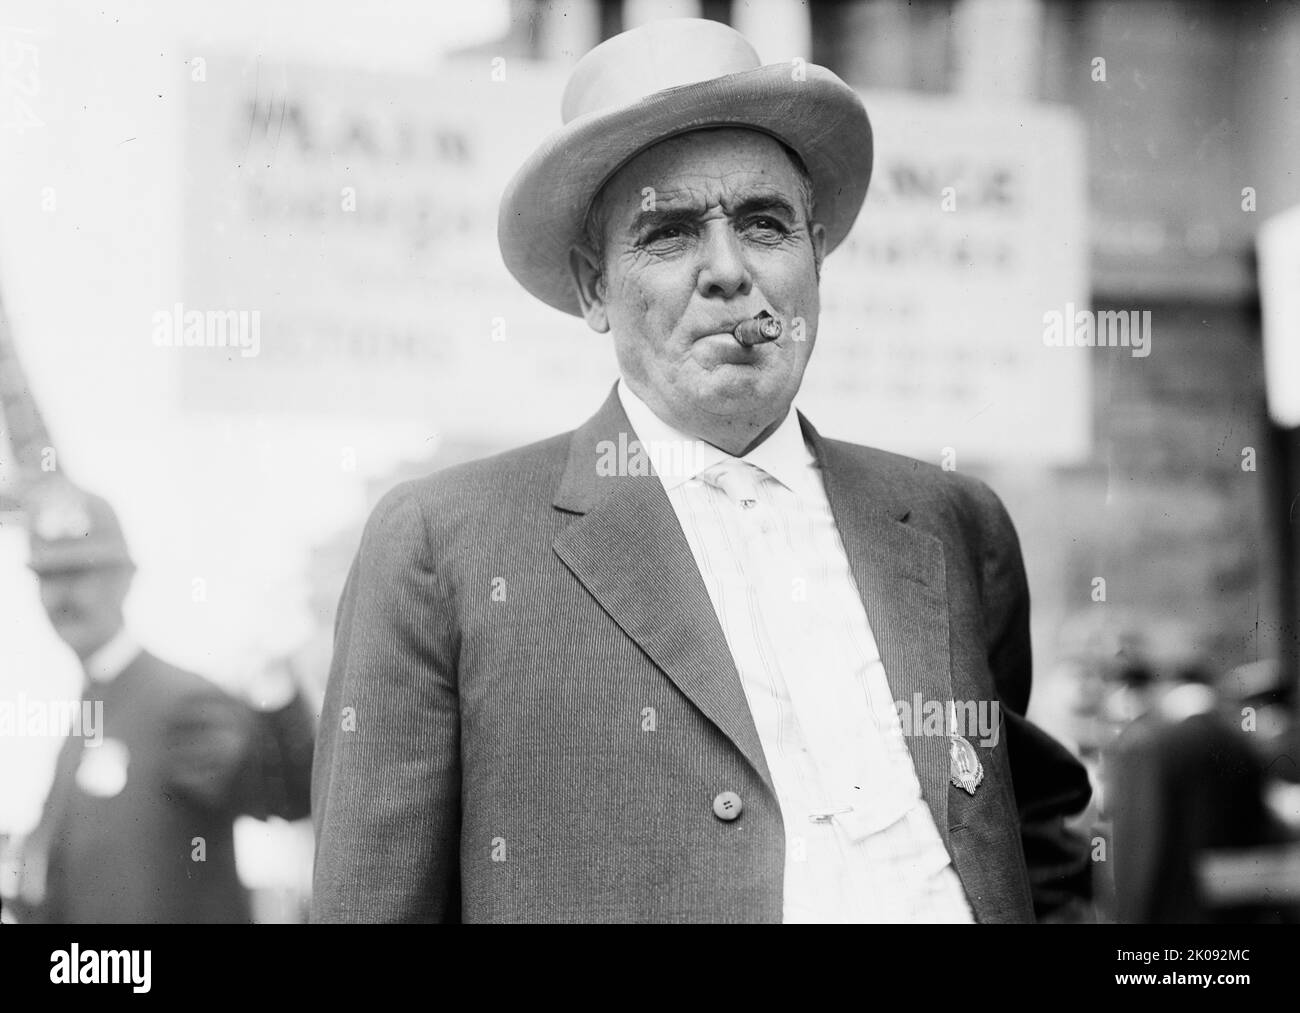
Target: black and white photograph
650, 462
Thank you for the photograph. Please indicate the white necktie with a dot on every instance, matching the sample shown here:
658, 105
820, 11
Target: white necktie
738, 479
838, 727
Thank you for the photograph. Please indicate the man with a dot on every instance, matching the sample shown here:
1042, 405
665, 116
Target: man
138, 824
1183, 782
572, 686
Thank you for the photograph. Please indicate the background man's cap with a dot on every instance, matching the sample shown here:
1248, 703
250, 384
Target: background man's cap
71, 529
651, 83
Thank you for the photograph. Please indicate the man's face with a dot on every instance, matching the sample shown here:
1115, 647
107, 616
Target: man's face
85, 606
721, 235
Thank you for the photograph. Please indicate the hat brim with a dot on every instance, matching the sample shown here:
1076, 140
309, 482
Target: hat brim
71, 557
544, 206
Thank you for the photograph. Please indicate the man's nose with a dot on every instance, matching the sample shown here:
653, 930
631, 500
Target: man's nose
724, 272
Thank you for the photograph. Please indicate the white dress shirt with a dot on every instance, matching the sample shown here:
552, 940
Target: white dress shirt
861, 844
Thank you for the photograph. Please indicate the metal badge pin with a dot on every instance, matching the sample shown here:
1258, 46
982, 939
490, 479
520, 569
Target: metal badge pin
826, 815
760, 328
104, 769
967, 771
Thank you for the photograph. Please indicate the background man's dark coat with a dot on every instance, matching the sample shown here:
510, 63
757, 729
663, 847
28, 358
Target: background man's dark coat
197, 759
1178, 789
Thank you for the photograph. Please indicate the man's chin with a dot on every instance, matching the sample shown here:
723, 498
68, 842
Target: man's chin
742, 392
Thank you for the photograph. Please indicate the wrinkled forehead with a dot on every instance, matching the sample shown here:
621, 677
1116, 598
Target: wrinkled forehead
715, 164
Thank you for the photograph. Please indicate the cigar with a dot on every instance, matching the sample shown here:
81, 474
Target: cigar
760, 328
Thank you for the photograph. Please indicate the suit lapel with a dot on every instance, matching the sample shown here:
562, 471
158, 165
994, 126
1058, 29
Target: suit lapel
627, 549
900, 575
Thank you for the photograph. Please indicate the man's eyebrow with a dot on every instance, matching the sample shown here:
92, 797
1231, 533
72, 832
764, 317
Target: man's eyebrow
661, 216
765, 202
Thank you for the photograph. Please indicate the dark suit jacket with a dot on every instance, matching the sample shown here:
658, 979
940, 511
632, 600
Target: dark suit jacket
197, 758
506, 623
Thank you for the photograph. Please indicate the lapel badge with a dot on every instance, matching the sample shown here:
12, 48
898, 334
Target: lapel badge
103, 768
967, 771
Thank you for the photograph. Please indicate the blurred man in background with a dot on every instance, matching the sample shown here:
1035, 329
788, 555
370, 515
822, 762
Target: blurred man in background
138, 823
1184, 781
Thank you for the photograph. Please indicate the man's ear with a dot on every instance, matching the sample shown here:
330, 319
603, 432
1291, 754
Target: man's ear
586, 269
818, 235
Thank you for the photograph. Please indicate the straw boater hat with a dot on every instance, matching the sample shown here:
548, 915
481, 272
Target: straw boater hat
663, 79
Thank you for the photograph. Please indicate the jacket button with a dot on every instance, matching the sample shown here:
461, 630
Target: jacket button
727, 806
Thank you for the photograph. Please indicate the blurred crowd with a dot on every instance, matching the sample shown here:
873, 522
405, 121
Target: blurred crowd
1196, 772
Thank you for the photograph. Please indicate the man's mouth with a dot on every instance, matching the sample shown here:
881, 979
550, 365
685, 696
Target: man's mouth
764, 319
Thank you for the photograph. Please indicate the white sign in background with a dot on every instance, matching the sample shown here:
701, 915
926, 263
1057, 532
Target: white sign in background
357, 213
1279, 294
932, 310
